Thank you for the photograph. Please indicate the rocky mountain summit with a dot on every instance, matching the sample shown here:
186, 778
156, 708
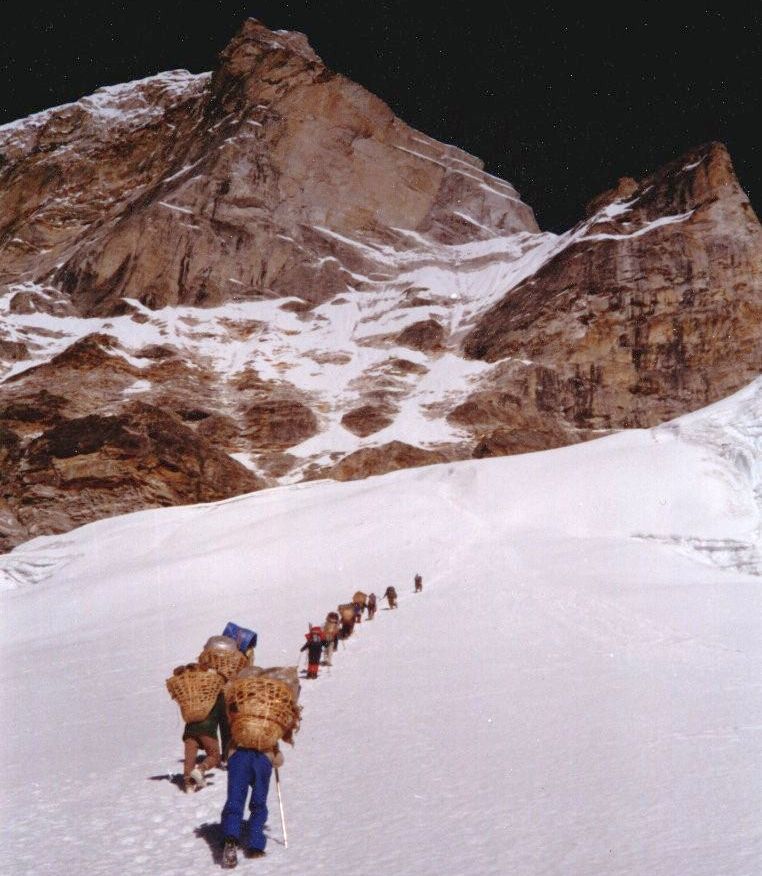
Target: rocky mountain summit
214, 283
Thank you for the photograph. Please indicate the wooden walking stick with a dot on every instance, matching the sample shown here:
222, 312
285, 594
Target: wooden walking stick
280, 804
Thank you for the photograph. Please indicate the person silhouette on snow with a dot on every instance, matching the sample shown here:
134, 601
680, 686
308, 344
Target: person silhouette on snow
358, 607
331, 636
372, 605
314, 648
390, 594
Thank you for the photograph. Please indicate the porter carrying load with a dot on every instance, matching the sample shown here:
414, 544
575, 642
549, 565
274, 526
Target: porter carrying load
221, 653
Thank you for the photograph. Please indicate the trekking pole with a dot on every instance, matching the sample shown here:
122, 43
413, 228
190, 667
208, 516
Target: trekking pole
280, 803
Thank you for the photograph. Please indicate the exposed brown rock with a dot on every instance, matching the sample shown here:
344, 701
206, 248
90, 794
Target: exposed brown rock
254, 182
427, 335
10, 449
279, 423
158, 352
13, 351
648, 313
276, 465
90, 353
624, 189
367, 419
98, 466
297, 306
71, 171
507, 442
222, 431
390, 457
33, 407
225, 190
404, 366
34, 302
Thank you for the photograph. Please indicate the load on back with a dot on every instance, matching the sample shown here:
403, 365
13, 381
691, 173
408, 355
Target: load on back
262, 706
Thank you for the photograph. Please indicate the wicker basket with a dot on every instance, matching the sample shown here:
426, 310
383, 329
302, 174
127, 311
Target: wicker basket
227, 663
360, 597
347, 612
195, 690
289, 675
261, 712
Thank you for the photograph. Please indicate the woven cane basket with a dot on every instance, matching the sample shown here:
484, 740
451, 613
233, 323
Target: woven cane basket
288, 675
195, 690
227, 663
360, 597
347, 612
261, 711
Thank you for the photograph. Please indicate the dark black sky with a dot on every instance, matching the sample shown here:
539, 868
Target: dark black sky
556, 100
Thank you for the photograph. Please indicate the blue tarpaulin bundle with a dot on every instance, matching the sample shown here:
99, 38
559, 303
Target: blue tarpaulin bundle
244, 638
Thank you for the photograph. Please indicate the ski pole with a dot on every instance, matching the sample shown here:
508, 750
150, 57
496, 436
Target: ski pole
280, 804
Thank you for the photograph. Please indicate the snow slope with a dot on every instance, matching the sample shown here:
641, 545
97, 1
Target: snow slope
575, 691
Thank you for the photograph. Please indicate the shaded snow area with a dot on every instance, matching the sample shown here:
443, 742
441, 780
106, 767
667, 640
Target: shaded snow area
572, 693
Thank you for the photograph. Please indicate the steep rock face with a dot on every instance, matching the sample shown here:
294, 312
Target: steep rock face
70, 171
96, 466
651, 307
198, 191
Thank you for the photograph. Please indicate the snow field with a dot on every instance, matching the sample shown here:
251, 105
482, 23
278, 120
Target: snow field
563, 697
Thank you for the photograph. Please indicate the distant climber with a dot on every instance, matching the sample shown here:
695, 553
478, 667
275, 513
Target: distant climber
330, 636
314, 648
390, 594
418, 582
372, 605
359, 601
347, 613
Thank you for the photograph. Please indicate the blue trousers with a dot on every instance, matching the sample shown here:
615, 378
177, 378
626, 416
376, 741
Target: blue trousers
247, 768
